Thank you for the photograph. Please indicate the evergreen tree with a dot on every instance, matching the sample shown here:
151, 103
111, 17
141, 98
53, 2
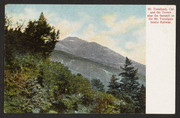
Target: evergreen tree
113, 86
130, 89
41, 37
128, 84
97, 84
141, 99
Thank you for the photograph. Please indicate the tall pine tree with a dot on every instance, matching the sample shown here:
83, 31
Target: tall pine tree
41, 37
128, 84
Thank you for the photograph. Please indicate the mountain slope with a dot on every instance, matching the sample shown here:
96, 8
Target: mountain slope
95, 52
88, 68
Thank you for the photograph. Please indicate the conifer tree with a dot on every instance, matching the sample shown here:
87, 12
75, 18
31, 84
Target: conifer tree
97, 84
141, 99
41, 37
113, 86
128, 84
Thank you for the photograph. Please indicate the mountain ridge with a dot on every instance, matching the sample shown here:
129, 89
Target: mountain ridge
95, 52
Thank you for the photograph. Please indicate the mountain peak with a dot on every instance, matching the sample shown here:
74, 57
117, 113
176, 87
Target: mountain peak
94, 52
73, 39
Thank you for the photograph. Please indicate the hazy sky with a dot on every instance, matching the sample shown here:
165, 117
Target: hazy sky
119, 27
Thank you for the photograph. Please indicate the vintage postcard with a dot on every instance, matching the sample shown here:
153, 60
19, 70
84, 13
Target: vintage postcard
89, 59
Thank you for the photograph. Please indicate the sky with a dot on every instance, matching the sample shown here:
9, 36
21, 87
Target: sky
118, 27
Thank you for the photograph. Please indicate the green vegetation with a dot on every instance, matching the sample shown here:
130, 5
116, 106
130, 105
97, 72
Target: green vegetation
34, 84
97, 84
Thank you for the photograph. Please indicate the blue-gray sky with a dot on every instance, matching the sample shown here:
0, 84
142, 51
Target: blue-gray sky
119, 27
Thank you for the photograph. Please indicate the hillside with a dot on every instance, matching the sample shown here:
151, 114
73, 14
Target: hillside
88, 68
95, 52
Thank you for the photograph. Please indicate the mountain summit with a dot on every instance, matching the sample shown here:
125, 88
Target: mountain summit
95, 52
